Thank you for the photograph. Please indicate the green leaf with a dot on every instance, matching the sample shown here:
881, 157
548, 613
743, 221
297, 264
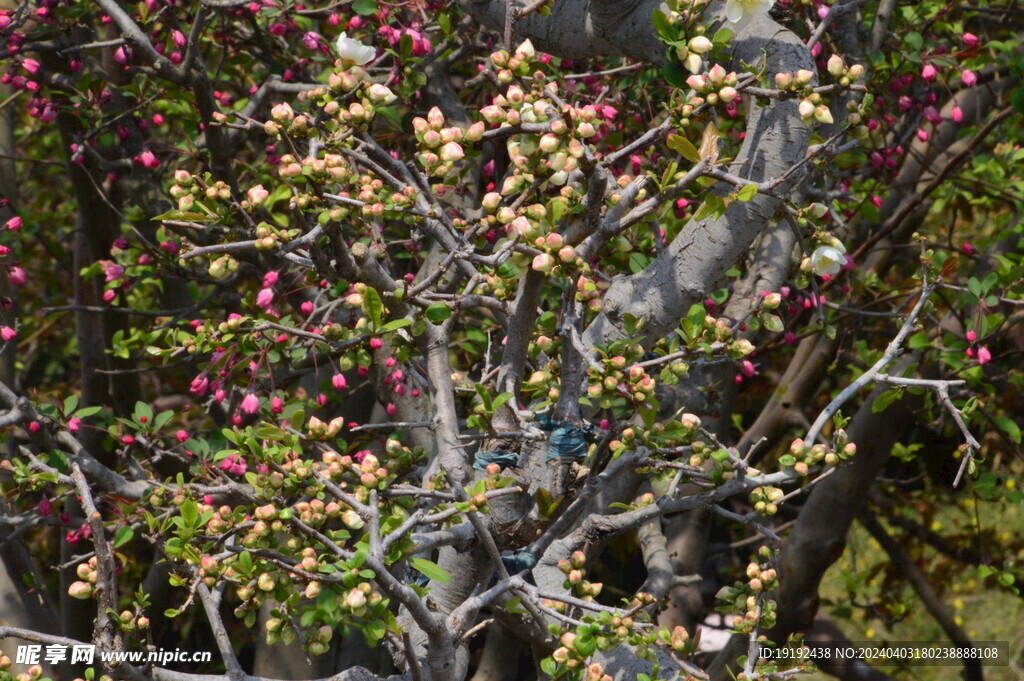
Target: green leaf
918, 340
189, 512
185, 216
637, 262
1009, 427
747, 193
548, 666
372, 305
430, 569
365, 7
86, 412
722, 35
683, 147
661, 24
585, 645
883, 401
772, 323
162, 418
395, 325
70, 404
674, 74
142, 409
123, 536
500, 400
438, 312
374, 630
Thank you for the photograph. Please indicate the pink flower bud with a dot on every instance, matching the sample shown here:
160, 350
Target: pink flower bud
969, 77
265, 298
339, 382
16, 276
250, 403
928, 73
7, 333
257, 195
14, 223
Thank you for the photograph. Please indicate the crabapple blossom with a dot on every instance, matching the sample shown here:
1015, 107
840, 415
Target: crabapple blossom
827, 260
350, 49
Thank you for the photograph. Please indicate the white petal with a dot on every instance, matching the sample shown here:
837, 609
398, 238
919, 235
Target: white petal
733, 11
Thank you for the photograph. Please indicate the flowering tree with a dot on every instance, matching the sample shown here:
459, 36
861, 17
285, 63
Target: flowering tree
447, 341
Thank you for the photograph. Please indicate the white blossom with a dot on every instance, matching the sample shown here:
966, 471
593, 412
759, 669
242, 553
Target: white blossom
353, 50
740, 12
827, 260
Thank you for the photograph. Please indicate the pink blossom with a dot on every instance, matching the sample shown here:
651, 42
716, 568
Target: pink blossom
122, 55
16, 276
339, 382
250, 403
109, 295
269, 279
321, 399
957, 114
969, 77
74, 423
181, 435
31, 65
147, 159
113, 272
276, 405
234, 465
311, 40
45, 507
376, 343
747, 368
7, 333
971, 40
967, 248
971, 336
306, 308
178, 38
199, 385
265, 298
984, 356
929, 72
391, 409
